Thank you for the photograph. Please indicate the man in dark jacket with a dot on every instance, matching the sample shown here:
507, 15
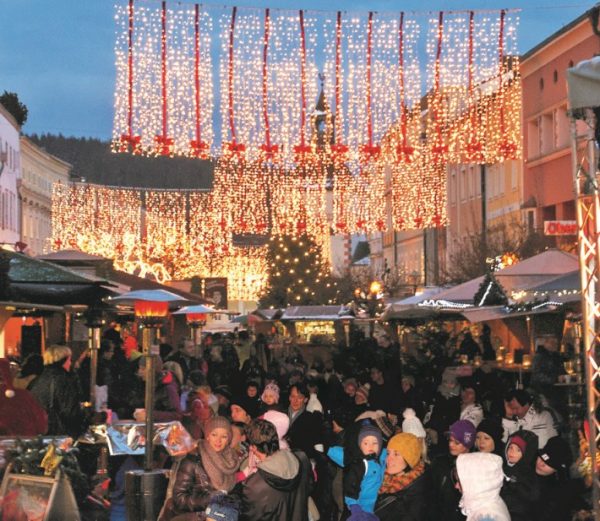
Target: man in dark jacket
279, 489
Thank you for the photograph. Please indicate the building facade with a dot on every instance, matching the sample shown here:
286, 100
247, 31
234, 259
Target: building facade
40, 170
547, 177
10, 175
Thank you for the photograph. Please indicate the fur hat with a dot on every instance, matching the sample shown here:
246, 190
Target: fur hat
248, 404
370, 430
273, 388
408, 445
463, 431
217, 422
411, 423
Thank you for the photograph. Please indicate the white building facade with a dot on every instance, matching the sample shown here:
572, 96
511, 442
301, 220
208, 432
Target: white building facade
40, 171
10, 175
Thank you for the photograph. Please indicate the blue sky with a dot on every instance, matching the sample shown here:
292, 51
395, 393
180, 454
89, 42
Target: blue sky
58, 55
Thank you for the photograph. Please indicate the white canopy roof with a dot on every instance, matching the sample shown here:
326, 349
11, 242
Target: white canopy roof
584, 84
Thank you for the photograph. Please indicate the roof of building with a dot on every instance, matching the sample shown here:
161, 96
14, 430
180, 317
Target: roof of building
564, 29
316, 313
70, 255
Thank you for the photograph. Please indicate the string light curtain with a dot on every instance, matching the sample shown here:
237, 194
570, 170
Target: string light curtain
268, 70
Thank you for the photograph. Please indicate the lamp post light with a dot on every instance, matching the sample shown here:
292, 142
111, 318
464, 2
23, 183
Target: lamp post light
369, 303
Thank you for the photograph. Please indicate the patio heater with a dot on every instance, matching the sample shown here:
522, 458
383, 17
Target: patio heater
145, 490
195, 317
94, 321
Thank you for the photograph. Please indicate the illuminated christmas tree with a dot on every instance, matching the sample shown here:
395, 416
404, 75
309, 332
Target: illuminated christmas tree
298, 274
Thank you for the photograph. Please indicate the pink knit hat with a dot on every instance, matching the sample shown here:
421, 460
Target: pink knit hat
273, 388
282, 424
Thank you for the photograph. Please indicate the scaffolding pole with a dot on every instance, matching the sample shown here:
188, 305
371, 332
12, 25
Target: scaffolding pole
585, 178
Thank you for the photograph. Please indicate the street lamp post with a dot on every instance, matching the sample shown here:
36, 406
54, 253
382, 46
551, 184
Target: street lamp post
369, 303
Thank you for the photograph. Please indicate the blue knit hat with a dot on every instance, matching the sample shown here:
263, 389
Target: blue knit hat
370, 430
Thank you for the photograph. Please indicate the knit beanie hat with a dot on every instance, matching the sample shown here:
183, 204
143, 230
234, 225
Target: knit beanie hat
6, 378
494, 430
370, 430
350, 382
363, 391
217, 422
273, 388
386, 426
282, 425
248, 404
463, 431
222, 508
518, 441
556, 454
408, 445
412, 424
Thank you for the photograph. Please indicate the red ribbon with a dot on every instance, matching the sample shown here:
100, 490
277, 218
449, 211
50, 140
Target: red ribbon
198, 144
130, 71
340, 152
338, 76
235, 148
439, 149
501, 68
163, 48
369, 50
403, 151
270, 151
230, 73
267, 148
302, 79
370, 151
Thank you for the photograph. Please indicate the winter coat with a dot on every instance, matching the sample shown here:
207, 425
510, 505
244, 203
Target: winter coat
481, 478
444, 413
556, 499
57, 392
192, 490
539, 422
306, 431
279, 490
521, 488
444, 505
473, 413
362, 478
408, 504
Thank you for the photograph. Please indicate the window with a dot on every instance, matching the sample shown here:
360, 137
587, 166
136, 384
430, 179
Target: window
555, 76
530, 220
562, 127
541, 83
533, 138
514, 175
547, 133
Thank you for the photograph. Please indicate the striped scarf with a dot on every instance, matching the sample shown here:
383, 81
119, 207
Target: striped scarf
393, 483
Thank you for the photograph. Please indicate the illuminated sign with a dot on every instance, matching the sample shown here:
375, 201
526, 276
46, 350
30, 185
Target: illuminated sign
560, 227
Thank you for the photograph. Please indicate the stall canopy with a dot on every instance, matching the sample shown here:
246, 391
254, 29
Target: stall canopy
583, 82
406, 309
305, 313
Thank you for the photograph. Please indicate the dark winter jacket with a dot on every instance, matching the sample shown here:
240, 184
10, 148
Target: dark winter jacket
444, 505
409, 504
192, 490
521, 489
306, 430
57, 391
278, 490
556, 499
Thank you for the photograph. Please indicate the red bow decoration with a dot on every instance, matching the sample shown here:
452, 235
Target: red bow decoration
260, 226
58, 244
302, 153
418, 221
508, 149
340, 152
134, 141
270, 151
223, 223
361, 224
340, 226
404, 153
474, 151
370, 151
200, 149
165, 145
437, 220
234, 148
380, 225
439, 152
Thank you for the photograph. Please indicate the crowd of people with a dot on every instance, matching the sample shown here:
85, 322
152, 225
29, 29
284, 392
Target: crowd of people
368, 434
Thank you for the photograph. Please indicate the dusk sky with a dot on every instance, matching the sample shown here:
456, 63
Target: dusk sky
58, 55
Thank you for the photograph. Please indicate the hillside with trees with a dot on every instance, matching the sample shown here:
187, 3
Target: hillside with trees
93, 161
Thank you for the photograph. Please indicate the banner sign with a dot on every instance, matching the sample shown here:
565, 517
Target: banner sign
560, 227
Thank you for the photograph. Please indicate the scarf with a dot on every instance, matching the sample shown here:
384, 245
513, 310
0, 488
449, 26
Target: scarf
393, 483
220, 466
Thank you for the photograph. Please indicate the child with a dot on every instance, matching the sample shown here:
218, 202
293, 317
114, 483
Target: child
521, 489
270, 397
363, 470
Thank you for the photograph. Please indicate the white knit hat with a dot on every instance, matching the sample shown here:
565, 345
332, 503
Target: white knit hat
412, 424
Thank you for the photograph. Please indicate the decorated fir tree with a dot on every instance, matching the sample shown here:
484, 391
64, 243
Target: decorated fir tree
298, 274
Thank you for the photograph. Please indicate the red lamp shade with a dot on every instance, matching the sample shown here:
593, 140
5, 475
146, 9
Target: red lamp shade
195, 317
149, 309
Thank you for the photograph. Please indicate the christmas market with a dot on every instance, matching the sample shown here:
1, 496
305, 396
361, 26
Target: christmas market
300, 262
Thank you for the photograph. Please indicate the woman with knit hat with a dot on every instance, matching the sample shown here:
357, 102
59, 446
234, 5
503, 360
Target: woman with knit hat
413, 425
404, 491
203, 474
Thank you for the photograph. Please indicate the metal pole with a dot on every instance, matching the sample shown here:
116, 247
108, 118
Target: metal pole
484, 211
148, 340
94, 346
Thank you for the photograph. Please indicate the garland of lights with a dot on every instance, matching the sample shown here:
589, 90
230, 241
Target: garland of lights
269, 68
